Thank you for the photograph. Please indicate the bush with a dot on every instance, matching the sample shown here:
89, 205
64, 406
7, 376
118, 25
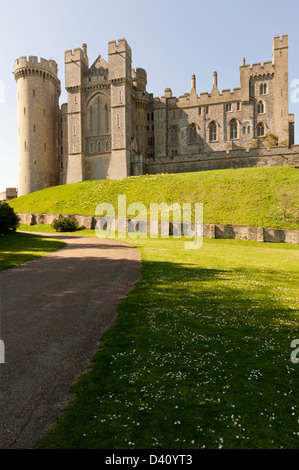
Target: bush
65, 224
9, 221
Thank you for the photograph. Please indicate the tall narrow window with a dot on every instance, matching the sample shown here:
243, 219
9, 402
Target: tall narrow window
173, 137
107, 146
99, 147
263, 88
117, 120
99, 117
260, 107
260, 129
91, 122
192, 134
33, 93
233, 129
107, 119
213, 131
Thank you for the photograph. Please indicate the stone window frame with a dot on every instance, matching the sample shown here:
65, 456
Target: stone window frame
262, 126
246, 127
263, 89
91, 122
174, 136
216, 125
228, 107
260, 107
192, 134
234, 133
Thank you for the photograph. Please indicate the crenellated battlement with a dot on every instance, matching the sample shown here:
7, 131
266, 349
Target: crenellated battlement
31, 66
281, 42
78, 54
121, 46
32, 62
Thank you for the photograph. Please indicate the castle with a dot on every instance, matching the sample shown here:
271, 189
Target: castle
111, 127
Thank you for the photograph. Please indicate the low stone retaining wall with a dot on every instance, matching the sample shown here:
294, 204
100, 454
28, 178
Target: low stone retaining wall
240, 232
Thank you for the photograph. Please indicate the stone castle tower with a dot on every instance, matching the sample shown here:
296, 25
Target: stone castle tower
111, 127
38, 103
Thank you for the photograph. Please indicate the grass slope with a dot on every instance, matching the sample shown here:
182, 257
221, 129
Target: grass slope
18, 248
248, 196
199, 357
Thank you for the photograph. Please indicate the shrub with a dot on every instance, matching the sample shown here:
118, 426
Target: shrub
65, 224
9, 221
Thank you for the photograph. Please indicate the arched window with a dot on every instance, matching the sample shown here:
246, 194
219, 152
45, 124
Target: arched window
260, 107
99, 147
263, 88
91, 147
213, 131
174, 136
99, 117
233, 128
260, 129
107, 119
91, 122
192, 134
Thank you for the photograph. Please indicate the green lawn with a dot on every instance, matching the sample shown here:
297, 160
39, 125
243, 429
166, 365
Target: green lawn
248, 196
18, 248
199, 356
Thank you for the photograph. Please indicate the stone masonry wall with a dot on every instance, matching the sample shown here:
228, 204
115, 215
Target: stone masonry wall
219, 231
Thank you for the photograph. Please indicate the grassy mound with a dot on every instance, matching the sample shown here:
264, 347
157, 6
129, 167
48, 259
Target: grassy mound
248, 196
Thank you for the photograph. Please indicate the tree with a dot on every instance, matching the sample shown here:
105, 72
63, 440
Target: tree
9, 221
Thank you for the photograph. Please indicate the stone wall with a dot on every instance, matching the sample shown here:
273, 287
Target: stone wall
219, 231
235, 158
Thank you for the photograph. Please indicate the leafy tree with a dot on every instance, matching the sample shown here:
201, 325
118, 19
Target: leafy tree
9, 221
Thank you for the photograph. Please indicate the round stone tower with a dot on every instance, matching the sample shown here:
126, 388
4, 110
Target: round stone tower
38, 105
139, 80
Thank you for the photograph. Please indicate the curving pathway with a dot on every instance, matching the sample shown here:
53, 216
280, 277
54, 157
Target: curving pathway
54, 311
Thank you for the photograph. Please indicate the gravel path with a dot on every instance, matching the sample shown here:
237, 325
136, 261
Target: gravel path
53, 312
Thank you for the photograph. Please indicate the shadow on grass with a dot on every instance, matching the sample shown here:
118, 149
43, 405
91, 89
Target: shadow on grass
18, 248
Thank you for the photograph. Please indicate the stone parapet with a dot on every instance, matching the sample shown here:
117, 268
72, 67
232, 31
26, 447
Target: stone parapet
213, 231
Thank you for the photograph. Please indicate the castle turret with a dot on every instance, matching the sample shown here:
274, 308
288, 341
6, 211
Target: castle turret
38, 103
120, 78
76, 66
142, 117
281, 88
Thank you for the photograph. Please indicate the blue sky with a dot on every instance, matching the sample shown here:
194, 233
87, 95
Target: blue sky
171, 39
